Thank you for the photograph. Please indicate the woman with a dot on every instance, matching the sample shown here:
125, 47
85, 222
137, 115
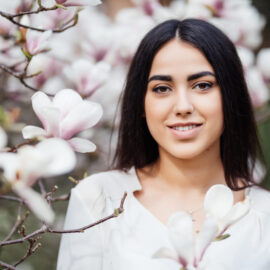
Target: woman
186, 126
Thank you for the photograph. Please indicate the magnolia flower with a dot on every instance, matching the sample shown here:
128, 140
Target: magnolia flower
189, 249
263, 62
48, 158
257, 87
69, 3
63, 117
87, 76
246, 56
3, 138
37, 42
218, 203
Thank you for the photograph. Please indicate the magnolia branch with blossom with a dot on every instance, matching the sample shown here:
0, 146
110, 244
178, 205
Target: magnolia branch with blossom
33, 237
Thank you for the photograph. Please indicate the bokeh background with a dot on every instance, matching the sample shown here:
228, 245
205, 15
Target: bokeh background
110, 33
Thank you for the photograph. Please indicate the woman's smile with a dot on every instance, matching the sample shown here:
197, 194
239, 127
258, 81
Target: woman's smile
185, 131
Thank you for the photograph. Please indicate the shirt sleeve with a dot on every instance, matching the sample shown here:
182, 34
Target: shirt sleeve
80, 251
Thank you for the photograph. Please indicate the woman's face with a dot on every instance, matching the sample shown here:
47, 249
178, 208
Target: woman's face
183, 103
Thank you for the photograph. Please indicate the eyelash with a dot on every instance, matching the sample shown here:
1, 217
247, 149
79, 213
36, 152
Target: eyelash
206, 86
203, 86
158, 88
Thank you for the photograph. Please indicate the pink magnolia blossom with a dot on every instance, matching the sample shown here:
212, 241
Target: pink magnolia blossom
48, 158
70, 3
87, 76
189, 249
63, 117
37, 42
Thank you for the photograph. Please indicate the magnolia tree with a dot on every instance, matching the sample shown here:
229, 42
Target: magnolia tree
67, 60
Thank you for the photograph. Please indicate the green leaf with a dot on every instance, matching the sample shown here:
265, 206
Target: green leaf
27, 54
116, 212
222, 237
61, 6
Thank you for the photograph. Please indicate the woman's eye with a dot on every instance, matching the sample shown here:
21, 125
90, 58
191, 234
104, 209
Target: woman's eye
161, 89
203, 86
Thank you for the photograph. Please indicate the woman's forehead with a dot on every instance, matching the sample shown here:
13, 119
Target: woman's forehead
179, 57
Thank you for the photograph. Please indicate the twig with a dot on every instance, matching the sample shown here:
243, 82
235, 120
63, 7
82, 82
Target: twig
46, 229
61, 198
11, 198
15, 148
17, 224
11, 17
42, 187
8, 266
31, 249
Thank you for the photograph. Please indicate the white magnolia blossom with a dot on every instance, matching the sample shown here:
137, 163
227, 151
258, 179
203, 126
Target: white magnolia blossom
3, 138
219, 204
69, 3
263, 62
87, 76
48, 158
257, 87
189, 249
37, 42
63, 117
246, 56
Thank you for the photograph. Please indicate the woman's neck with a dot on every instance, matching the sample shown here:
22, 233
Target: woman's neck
190, 174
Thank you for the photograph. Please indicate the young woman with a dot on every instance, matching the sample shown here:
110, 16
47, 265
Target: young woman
186, 125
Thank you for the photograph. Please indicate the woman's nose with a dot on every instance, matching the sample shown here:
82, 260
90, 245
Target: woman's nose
183, 104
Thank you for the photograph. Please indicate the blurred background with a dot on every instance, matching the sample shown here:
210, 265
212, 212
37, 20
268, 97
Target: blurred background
93, 58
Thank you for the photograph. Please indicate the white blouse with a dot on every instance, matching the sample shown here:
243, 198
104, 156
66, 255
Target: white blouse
129, 241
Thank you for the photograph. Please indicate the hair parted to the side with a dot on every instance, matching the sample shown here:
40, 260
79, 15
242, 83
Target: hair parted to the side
239, 141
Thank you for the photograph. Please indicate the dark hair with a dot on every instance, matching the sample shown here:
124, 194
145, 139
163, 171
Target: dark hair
239, 141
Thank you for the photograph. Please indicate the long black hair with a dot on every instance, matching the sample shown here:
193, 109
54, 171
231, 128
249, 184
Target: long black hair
239, 141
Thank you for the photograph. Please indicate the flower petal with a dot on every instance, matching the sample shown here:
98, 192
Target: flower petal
218, 201
238, 211
9, 163
181, 234
206, 235
165, 253
66, 100
83, 116
39, 101
61, 155
82, 145
35, 202
30, 132
52, 118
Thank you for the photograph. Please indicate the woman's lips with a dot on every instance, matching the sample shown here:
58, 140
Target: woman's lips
186, 132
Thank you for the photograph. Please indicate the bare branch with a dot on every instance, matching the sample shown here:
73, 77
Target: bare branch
42, 187
17, 224
11, 198
46, 229
8, 266
11, 17
61, 198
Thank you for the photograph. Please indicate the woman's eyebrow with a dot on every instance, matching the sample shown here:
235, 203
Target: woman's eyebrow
200, 74
166, 78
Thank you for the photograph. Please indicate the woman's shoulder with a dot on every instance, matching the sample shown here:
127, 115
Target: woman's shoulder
260, 200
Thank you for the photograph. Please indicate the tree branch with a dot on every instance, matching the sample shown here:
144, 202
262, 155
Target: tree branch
11, 18
8, 266
46, 229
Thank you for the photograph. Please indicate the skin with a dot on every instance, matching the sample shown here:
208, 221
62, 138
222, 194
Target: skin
182, 89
